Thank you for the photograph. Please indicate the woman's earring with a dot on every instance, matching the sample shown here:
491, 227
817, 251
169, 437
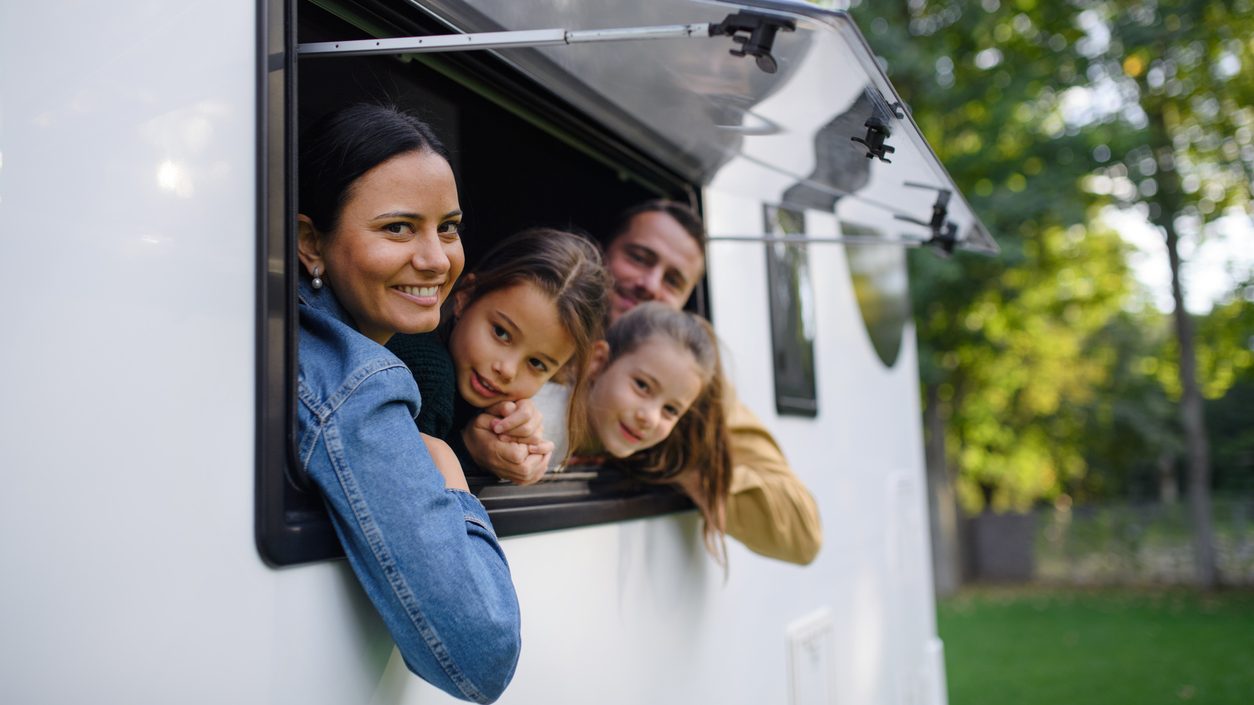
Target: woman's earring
317, 277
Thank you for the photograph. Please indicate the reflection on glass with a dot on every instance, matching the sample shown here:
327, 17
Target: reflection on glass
174, 178
792, 315
840, 167
881, 287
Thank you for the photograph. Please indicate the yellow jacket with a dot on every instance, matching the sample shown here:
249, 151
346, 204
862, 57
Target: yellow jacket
768, 509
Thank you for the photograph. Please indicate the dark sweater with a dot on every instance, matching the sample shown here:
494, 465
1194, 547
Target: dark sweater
444, 413
429, 362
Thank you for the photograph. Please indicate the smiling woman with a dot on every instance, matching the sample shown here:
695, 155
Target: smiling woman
380, 250
393, 251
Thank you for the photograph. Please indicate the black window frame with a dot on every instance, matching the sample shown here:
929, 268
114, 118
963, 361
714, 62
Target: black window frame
291, 524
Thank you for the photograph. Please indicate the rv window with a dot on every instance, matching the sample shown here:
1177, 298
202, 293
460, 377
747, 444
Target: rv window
792, 314
522, 158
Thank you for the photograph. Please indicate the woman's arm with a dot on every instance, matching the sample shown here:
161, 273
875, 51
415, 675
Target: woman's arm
446, 462
426, 555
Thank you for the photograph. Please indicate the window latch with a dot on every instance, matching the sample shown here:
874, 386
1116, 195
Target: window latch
944, 231
876, 132
761, 30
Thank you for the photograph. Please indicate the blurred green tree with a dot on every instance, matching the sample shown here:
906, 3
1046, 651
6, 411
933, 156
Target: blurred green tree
1000, 339
1132, 433
1177, 80
1226, 364
1044, 113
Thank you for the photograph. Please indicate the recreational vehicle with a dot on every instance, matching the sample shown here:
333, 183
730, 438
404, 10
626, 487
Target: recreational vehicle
159, 545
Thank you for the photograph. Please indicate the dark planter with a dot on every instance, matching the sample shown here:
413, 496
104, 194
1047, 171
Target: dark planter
1002, 547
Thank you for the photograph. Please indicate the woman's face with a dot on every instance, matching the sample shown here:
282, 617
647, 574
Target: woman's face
396, 251
636, 401
507, 344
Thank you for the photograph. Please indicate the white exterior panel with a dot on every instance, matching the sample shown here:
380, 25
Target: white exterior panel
128, 245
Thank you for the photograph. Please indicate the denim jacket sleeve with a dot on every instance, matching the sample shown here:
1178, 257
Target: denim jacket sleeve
426, 556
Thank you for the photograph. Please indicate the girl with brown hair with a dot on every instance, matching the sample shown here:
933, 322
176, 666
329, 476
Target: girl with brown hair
654, 395
531, 309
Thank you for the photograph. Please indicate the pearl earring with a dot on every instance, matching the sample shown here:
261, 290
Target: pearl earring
317, 277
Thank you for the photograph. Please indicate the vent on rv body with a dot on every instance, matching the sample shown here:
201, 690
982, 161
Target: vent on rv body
813, 114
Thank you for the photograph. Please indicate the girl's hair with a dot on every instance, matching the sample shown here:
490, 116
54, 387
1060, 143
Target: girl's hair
699, 440
337, 149
569, 269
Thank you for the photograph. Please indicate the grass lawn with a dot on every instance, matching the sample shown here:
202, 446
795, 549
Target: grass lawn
1104, 647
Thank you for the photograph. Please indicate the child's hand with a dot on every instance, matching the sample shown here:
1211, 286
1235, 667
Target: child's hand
518, 421
521, 461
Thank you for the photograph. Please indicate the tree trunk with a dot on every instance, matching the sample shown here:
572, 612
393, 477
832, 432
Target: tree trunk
1191, 415
1194, 424
1168, 493
943, 506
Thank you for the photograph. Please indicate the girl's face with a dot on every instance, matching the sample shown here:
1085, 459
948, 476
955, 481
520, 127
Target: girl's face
636, 401
506, 344
395, 253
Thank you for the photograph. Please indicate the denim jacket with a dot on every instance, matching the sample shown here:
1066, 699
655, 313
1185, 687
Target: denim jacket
427, 556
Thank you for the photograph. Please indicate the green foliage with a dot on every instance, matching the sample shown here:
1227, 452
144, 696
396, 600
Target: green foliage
1132, 424
1227, 336
1232, 438
1050, 378
1227, 361
1225, 347
1187, 149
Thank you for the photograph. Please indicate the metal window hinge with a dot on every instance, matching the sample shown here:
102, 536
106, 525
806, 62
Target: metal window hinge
944, 231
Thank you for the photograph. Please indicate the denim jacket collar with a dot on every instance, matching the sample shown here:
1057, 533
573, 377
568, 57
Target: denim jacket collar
323, 300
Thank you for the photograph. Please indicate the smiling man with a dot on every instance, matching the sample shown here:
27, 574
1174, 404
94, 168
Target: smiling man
655, 255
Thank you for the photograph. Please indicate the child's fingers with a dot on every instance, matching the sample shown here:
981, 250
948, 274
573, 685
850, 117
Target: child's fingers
502, 409
525, 429
541, 448
513, 454
531, 470
526, 420
484, 422
509, 424
525, 440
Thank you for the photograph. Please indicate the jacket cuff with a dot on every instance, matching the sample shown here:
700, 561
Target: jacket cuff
472, 507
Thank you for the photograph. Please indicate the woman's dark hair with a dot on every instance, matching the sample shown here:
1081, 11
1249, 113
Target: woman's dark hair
337, 149
566, 267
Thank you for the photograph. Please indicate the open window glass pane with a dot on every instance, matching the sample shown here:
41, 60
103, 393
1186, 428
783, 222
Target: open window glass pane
827, 126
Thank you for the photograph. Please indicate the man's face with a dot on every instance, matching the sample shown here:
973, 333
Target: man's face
654, 260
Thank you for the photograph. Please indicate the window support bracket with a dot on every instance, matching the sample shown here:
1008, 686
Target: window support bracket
856, 240
752, 33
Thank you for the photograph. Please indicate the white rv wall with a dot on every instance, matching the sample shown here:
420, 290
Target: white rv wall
127, 272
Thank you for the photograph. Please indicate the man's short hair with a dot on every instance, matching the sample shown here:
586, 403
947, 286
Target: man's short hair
684, 215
